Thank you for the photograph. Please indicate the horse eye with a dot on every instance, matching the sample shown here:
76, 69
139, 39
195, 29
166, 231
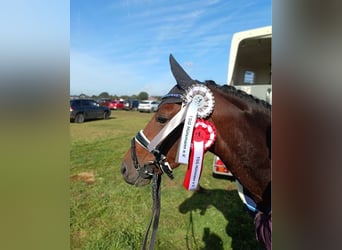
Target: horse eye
161, 119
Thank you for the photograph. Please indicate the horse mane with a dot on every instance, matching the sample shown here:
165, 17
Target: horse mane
239, 93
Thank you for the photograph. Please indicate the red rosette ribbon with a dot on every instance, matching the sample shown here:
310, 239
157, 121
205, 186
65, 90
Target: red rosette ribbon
203, 137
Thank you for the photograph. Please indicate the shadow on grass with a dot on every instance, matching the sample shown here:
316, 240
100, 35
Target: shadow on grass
94, 120
239, 227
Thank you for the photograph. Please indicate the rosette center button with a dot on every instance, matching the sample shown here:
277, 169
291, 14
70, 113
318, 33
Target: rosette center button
198, 100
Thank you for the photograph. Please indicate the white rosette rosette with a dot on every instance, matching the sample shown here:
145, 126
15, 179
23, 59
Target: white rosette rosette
202, 96
200, 103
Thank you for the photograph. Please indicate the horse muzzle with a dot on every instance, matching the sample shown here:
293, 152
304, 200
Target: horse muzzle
137, 178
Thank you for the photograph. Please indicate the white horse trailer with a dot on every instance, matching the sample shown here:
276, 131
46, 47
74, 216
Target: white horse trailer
249, 69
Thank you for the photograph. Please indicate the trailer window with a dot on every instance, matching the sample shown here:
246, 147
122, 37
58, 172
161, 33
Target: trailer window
249, 77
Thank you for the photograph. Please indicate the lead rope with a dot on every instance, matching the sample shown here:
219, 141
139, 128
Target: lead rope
155, 213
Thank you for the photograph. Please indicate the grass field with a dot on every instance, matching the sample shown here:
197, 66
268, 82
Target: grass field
107, 213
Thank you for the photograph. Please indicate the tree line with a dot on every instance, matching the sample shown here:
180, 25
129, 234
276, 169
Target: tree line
141, 96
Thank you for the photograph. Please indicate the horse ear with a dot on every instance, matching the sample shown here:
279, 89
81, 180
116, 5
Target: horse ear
182, 78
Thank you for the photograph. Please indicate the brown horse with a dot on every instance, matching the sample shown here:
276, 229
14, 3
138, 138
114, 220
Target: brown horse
243, 140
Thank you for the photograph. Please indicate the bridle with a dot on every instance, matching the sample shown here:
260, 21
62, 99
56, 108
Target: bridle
154, 146
146, 171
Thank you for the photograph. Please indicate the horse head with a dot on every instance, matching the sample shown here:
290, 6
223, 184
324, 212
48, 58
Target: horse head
139, 163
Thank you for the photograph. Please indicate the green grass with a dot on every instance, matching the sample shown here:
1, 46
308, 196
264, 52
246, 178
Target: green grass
110, 214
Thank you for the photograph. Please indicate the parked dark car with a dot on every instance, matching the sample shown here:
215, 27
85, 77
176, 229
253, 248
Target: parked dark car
131, 104
87, 109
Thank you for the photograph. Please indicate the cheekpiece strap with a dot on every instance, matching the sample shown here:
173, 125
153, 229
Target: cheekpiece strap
142, 139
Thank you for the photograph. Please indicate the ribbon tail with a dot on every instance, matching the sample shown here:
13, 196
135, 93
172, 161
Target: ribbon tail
194, 170
186, 137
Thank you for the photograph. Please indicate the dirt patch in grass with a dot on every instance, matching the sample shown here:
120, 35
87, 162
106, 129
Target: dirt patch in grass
87, 177
77, 238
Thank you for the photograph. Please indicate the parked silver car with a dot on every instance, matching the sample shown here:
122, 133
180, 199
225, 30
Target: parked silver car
148, 106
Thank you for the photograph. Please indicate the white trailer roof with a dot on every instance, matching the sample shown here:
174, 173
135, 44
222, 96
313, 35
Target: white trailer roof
263, 32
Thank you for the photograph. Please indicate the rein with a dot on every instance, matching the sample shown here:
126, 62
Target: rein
156, 194
147, 172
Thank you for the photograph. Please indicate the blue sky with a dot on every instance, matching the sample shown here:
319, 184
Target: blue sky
122, 46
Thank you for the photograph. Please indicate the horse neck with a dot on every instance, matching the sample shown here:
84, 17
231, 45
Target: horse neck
241, 126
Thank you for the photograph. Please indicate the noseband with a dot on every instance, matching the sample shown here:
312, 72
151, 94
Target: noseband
146, 171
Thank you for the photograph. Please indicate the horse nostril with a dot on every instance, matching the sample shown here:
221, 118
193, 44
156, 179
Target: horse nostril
123, 169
